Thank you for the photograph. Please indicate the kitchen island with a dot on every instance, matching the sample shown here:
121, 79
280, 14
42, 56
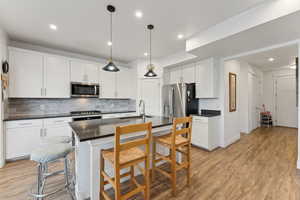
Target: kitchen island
91, 136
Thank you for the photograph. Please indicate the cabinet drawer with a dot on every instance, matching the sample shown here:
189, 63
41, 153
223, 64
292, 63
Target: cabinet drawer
57, 121
197, 119
23, 123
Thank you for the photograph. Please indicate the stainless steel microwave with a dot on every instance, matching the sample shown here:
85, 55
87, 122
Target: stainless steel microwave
84, 90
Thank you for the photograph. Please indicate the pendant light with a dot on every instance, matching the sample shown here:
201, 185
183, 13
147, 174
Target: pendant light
150, 66
111, 67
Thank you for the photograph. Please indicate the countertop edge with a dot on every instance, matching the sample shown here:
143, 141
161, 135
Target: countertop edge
55, 116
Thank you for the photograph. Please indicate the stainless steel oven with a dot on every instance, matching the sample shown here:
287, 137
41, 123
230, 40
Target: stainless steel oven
84, 90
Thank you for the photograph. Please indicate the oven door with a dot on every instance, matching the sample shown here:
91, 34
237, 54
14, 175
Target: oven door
84, 90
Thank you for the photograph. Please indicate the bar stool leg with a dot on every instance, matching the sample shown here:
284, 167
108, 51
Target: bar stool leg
189, 164
39, 180
117, 184
66, 173
173, 169
153, 159
147, 179
102, 167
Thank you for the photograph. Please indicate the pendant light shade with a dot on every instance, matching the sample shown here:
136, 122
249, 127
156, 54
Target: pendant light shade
150, 66
111, 67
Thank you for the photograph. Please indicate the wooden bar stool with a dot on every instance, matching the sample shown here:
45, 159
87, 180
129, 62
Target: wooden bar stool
179, 140
127, 155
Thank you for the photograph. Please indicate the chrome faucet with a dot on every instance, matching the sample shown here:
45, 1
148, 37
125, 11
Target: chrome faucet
142, 111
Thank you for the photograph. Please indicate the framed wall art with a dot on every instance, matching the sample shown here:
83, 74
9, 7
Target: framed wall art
232, 92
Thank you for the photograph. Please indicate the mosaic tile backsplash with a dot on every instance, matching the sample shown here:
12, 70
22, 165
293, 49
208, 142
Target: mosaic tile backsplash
62, 106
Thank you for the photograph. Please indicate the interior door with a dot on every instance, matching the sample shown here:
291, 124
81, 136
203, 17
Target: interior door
285, 104
150, 93
254, 103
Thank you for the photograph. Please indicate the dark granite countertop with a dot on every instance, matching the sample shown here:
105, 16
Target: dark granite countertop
43, 116
24, 117
209, 113
100, 128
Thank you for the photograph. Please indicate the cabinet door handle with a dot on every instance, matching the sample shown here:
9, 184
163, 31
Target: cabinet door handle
59, 121
41, 132
45, 93
45, 132
25, 124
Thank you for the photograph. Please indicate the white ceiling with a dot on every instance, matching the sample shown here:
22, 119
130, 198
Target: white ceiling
83, 25
283, 56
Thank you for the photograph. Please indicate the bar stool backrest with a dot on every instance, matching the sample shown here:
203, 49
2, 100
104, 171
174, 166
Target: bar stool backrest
140, 142
183, 127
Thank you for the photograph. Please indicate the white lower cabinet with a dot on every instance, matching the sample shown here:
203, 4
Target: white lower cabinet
205, 132
23, 136
57, 127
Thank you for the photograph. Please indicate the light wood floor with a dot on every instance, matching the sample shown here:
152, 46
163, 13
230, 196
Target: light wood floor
261, 166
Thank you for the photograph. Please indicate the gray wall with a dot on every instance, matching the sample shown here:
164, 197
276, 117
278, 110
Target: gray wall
60, 106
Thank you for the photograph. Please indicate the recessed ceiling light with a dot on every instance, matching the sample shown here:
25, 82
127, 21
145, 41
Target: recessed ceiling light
109, 43
179, 36
271, 59
145, 54
53, 27
138, 14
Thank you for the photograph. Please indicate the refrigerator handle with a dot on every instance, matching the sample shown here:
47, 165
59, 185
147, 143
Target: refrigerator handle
171, 97
181, 97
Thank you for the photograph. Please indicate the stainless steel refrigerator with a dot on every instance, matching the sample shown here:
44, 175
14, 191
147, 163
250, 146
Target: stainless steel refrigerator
179, 100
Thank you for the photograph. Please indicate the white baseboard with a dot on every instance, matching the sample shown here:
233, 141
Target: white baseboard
2, 163
231, 141
298, 164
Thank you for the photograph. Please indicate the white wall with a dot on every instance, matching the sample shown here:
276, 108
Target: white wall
3, 56
231, 126
298, 161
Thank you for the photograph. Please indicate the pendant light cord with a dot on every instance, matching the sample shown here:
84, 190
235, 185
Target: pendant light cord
111, 36
150, 48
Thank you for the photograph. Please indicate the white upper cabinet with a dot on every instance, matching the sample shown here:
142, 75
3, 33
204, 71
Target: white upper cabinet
206, 79
118, 84
56, 77
26, 74
188, 74
107, 84
125, 84
184, 74
37, 75
176, 76
84, 72
91, 71
77, 72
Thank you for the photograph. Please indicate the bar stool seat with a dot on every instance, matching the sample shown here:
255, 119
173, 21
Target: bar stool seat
50, 152
126, 156
167, 140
